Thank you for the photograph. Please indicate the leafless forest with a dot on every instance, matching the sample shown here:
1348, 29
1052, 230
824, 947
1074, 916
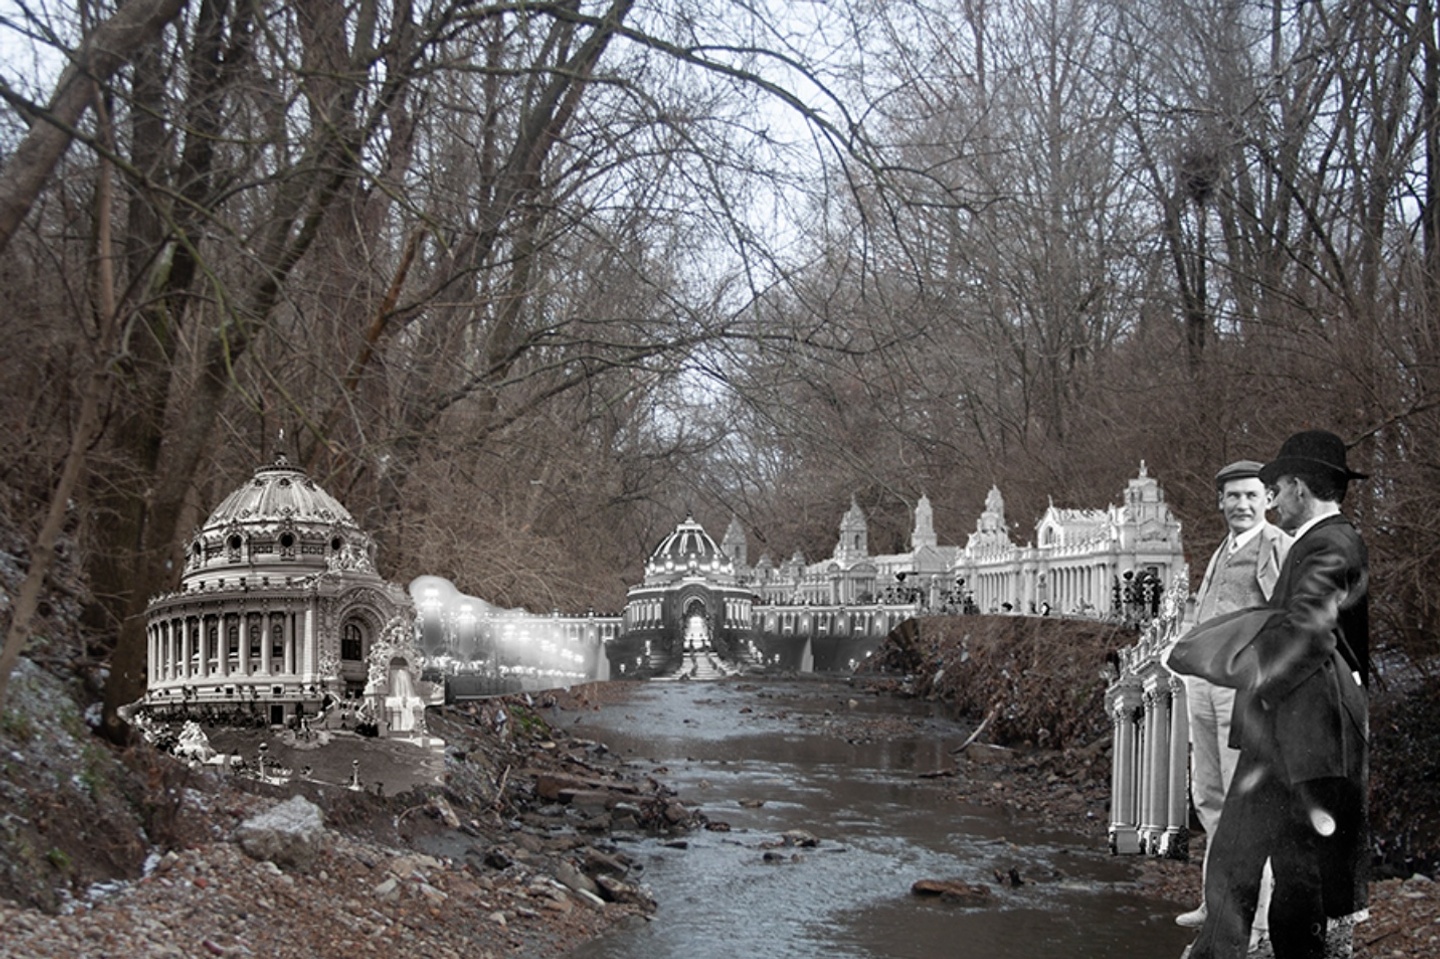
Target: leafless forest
521, 283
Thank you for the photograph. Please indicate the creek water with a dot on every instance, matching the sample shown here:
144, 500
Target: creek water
771, 756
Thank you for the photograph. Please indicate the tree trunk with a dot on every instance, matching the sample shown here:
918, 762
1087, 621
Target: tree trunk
134, 25
87, 428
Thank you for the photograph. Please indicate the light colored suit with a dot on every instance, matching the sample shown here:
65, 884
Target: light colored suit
1274, 545
1210, 706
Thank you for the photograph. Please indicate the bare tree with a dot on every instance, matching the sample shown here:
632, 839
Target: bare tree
103, 51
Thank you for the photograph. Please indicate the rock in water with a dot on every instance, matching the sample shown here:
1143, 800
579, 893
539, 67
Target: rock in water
953, 890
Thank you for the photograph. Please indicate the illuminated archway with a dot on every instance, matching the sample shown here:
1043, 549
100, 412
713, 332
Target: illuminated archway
696, 626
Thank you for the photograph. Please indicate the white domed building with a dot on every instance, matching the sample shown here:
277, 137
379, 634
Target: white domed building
279, 608
689, 603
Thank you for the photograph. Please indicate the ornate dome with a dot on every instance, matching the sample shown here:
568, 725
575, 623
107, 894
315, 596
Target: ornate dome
688, 551
281, 520
276, 493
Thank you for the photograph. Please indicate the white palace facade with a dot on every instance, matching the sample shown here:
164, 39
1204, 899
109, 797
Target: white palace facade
1079, 563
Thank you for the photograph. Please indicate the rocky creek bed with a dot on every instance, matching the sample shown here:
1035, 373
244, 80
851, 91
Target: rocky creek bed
510, 855
506, 847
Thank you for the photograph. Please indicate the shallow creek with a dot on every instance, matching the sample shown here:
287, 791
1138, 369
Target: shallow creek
771, 756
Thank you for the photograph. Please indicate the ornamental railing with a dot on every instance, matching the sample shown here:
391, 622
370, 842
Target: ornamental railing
1149, 811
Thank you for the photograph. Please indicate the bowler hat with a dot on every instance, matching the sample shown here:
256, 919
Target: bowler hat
1240, 469
1307, 452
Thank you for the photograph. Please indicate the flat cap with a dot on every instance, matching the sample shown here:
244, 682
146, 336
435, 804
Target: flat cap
1240, 469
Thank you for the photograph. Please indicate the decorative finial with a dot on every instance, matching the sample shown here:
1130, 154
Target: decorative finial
1143, 474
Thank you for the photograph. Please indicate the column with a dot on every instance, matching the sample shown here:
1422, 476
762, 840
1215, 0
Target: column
267, 645
244, 643
1176, 842
209, 639
224, 651
290, 644
1159, 761
306, 647
177, 639
202, 642
1147, 771
187, 638
151, 659
1123, 819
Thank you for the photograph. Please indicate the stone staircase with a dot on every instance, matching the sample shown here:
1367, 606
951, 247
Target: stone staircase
699, 665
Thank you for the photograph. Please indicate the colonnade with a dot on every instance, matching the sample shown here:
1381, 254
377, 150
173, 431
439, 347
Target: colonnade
1149, 811
993, 588
1081, 588
828, 621
1084, 585
224, 646
644, 614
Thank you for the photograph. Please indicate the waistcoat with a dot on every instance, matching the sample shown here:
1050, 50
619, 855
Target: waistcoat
1233, 584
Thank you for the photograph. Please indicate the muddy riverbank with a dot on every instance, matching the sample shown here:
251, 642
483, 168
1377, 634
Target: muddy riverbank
397, 873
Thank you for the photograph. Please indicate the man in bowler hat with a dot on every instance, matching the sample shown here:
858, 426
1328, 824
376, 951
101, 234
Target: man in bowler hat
1298, 794
1242, 573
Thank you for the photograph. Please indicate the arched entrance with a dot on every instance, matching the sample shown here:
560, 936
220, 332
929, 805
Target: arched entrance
696, 620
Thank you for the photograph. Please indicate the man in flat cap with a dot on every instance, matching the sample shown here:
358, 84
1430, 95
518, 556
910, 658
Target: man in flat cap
1298, 794
1242, 574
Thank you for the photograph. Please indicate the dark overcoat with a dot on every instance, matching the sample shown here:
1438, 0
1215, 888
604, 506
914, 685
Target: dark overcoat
1304, 716
1305, 711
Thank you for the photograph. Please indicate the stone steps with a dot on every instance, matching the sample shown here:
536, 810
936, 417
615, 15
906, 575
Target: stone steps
700, 666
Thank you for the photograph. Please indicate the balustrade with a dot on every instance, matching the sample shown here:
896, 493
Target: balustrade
1151, 745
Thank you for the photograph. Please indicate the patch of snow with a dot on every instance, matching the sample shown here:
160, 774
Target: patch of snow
104, 890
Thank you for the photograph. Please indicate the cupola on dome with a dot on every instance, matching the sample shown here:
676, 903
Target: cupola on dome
279, 517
